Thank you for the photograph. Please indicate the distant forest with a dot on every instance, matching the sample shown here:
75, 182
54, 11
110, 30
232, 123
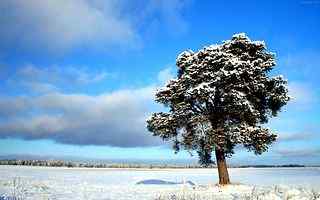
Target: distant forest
70, 164
61, 163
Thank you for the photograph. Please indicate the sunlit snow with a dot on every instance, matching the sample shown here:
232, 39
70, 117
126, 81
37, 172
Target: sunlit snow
121, 184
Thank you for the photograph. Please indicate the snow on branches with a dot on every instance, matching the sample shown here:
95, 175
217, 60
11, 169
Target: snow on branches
221, 97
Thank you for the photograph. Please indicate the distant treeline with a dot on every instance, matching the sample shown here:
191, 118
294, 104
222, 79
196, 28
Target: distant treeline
60, 163
270, 166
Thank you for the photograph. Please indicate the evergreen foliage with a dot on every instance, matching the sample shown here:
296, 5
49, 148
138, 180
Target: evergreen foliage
222, 96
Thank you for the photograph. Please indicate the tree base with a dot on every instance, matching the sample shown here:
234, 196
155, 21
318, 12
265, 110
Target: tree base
222, 167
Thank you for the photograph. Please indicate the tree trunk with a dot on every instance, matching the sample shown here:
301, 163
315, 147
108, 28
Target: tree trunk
222, 167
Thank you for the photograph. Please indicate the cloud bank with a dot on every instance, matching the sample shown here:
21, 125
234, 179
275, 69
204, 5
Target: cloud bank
114, 119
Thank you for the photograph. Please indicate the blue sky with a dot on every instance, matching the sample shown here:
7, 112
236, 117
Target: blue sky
78, 77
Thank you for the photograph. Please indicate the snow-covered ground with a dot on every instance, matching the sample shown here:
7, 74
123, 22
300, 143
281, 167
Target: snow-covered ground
118, 184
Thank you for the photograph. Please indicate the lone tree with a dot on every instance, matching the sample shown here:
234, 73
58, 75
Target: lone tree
222, 96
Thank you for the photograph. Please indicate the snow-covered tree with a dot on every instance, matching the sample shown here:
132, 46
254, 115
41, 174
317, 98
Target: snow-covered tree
222, 96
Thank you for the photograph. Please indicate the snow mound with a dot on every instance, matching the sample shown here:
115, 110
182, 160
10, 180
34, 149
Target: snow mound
163, 182
155, 182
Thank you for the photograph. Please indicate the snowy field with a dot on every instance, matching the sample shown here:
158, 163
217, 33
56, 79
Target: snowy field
118, 184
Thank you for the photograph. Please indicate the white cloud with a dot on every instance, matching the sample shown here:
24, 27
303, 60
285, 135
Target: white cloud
165, 75
298, 152
169, 11
60, 25
63, 24
40, 87
302, 64
111, 118
115, 119
41, 79
299, 136
12, 106
303, 96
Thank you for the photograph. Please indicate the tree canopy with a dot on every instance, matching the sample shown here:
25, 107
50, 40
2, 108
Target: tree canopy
221, 97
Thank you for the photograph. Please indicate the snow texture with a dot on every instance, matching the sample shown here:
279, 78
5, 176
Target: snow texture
120, 184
